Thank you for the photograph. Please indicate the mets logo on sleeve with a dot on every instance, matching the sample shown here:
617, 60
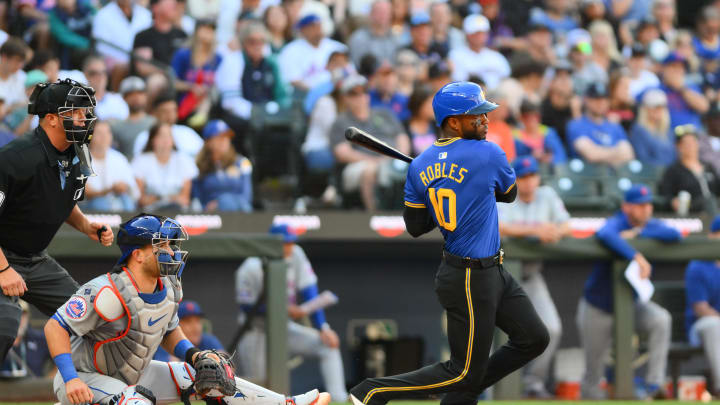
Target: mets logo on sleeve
76, 308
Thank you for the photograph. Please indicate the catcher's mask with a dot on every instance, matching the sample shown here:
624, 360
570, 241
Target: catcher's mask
155, 230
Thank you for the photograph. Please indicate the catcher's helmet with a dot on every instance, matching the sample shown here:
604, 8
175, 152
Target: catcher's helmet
63, 98
148, 229
460, 98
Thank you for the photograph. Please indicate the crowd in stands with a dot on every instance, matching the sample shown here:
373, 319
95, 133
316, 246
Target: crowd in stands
200, 101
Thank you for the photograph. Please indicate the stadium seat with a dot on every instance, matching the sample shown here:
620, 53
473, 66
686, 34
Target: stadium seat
578, 192
639, 172
671, 296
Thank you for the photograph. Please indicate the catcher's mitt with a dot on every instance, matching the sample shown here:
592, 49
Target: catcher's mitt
214, 372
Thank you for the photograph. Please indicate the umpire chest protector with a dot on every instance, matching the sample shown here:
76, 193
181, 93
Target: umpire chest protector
126, 356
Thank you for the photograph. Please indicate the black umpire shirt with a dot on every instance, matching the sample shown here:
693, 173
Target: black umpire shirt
39, 187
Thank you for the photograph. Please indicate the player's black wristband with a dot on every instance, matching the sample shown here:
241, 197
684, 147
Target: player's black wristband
8, 266
189, 355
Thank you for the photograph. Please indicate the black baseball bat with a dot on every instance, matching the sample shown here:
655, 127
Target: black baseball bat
367, 141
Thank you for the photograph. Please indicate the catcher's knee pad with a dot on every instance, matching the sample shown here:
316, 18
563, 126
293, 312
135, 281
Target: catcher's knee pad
133, 395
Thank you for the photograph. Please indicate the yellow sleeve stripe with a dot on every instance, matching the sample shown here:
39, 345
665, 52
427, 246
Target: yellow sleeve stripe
414, 205
509, 188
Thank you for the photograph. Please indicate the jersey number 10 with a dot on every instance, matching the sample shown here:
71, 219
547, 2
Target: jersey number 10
437, 198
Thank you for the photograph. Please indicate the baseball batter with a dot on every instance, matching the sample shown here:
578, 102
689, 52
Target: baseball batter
454, 185
103, 338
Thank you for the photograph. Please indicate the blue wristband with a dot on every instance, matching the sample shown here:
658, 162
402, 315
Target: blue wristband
181, 348
65, 366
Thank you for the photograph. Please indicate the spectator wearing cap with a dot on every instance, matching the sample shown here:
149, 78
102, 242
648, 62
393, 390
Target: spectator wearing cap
224, 181
249, 77
377, 38
163, 174
385, 94
585, 70
185, 139
192, 322
420, 127
537, 214
195, 67
560, 104
18, 121
689, 174
439, 74
702, 314
556, 15
595, 311
593, 137
71, 25
362, 171
159, 42
125, 132
115, 27
12, 78
114, 188
685, 100
710, 141
476, 58
651, 133
641, 78
110, 106
319, 341
303, 60
421, 40
443, 32
536, 139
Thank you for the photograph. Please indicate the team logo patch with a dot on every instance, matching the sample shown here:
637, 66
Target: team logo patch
442, 155
76, 308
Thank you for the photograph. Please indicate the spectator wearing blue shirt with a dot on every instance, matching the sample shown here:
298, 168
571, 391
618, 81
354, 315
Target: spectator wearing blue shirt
685, 101
555, 15
702, 315
540, 141
224, 182
651, 135
386, 94
594, 138
594, 317
192, 320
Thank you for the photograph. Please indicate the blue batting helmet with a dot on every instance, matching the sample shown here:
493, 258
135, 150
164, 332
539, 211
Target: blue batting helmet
460, 98
147, 229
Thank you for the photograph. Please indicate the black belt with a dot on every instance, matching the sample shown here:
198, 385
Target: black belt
482, 263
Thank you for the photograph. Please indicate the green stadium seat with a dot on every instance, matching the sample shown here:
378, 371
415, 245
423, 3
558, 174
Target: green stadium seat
579, 192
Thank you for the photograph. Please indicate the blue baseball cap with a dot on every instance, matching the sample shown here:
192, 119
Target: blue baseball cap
673, 57
307, 20
215, 128
419, 18
715, 226
525, 165
284, 230
638, 194
189, 308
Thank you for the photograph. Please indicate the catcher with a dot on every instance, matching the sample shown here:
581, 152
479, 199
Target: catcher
103, 338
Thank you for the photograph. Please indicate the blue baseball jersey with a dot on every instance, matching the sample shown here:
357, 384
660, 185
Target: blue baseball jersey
702, 283
605, 133
457, 179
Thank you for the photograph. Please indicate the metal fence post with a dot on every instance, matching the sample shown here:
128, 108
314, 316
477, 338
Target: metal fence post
624, 329
277, 319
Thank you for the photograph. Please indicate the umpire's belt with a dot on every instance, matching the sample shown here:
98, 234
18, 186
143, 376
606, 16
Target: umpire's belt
482, 263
